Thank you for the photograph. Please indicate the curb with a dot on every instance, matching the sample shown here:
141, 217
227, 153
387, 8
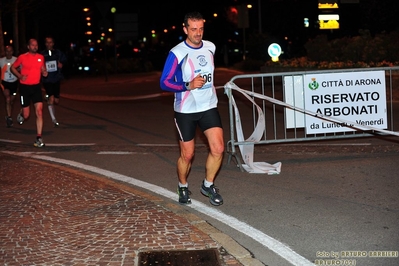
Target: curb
235, 255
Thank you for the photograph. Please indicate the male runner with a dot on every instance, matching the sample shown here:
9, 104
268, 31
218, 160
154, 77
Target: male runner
189, 73
9, 82
54, 59
32, 67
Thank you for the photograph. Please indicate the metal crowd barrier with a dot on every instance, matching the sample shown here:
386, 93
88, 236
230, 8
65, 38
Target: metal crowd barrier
278, 99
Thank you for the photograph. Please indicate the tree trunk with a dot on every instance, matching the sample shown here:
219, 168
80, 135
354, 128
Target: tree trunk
22, 32
1, 34
16, 32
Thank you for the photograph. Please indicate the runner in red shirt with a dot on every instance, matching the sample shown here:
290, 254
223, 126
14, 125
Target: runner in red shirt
28, 68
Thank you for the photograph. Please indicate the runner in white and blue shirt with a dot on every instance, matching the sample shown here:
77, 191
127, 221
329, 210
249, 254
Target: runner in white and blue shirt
182, 65
189, 73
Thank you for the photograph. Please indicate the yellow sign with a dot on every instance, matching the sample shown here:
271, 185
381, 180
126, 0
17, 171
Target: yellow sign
328, 25
328, 5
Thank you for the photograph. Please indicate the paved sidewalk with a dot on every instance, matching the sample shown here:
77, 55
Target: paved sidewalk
56, 215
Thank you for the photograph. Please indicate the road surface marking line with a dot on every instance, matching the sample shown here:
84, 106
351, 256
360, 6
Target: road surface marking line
119, 152
165, 145
333, 144
10, 141
69, 144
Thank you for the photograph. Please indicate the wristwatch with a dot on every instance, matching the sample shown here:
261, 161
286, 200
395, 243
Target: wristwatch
187, 85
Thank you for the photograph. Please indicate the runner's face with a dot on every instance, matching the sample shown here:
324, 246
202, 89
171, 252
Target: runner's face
33, 46
194, 31
9, 52
49, 43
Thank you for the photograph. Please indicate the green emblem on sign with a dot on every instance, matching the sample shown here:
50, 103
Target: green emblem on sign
314, 85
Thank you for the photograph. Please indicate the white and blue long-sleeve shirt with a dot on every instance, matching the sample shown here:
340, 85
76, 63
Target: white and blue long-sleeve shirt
182, 65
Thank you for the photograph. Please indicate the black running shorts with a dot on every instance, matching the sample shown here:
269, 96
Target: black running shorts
11, 86
52, 88
186, 124
30, 93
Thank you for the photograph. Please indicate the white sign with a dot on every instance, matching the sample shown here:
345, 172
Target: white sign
274, 50
358, 98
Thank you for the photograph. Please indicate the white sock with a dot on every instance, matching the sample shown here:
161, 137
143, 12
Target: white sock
51, 111
181, 185
207, 183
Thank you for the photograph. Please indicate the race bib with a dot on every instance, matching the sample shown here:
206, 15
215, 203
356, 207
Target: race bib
51, 66
8, 75
208, 80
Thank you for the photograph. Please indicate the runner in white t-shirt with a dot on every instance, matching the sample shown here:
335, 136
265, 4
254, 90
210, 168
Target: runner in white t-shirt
9, 82
189, 73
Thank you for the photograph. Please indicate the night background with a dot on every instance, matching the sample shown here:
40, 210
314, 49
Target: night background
280, 21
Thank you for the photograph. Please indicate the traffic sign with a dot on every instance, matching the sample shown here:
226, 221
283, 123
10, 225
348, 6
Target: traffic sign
274, 50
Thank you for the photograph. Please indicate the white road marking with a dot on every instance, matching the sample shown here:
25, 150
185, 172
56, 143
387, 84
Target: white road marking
119, 152
69, 144
52, 144
331, 144
157, 145
279, 248
10, 141
114, 98
164, 145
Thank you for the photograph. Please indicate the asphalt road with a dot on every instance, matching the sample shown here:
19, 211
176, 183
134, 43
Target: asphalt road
332, 200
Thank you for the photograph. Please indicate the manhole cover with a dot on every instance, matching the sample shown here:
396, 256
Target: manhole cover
207, 257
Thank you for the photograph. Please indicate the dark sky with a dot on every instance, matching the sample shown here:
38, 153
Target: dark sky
274, 13
64, 19
159, 15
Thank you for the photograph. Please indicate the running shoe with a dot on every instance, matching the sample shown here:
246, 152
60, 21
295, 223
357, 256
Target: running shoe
9, 121
184, 195
39, 143
213, 193
20, 119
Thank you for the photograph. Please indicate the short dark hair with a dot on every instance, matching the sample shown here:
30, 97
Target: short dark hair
31, 40
49, 37
192, 15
